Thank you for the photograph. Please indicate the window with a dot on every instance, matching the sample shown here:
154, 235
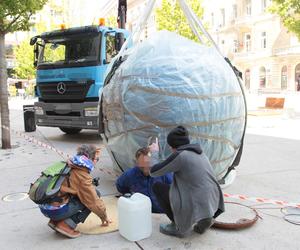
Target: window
70, 49
284, 77
248, 42
297, 77
247, 78
235, 46
234, 11
263, 5
110, 47
263, 40
262, 77
53, 53
248, 7
222, 17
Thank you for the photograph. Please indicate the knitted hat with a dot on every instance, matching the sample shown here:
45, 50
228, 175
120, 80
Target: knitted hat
178, 136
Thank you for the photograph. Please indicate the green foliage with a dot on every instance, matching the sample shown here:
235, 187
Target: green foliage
289, 11
12, 90
171, 17
24, 58
54, 54
111, 21
30, 89
15, 14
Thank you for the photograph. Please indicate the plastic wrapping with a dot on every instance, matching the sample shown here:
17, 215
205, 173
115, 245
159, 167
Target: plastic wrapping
167, 81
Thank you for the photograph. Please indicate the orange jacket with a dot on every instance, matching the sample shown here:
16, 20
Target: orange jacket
80, 185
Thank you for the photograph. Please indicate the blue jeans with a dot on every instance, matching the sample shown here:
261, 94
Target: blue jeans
76, 212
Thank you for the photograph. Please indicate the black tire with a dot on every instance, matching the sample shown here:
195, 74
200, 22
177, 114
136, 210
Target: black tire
70, 131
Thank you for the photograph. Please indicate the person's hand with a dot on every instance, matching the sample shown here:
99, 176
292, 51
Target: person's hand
105, 222
154, 147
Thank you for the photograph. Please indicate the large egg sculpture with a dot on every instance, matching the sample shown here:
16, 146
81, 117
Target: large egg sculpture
167, 81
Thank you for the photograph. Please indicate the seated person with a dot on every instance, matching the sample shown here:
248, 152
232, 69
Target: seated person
138, 180
77, 194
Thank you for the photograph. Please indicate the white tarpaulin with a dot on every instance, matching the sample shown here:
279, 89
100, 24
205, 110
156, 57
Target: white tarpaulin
167, 81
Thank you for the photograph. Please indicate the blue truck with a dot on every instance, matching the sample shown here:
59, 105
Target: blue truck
71, 64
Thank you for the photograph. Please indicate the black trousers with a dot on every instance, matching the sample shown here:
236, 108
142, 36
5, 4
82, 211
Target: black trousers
161, 191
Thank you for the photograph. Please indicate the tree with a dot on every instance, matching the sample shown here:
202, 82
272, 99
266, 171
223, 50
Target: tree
171, 17
24, 58
14, 16
289, 11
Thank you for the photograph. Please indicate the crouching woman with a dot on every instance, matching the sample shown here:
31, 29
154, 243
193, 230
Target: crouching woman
194, 198
78, 196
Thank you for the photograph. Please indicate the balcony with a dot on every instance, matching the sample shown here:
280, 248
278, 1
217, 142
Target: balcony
243, 55
244, 23
292, 50
252, 55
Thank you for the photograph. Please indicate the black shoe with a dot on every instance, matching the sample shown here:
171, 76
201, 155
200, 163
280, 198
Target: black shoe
170, 229
203, 225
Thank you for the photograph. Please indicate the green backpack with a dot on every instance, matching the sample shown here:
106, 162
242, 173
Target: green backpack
46, 187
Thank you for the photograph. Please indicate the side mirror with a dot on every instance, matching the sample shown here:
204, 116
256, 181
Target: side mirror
33, 40
120, 39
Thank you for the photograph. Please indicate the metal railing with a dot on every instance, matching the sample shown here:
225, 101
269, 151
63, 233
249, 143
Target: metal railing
287, 50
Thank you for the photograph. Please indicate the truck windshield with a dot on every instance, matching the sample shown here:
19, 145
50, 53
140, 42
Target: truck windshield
71, 50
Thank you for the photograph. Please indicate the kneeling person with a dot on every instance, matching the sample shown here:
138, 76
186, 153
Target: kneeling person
138, 180
195, 197
77, 194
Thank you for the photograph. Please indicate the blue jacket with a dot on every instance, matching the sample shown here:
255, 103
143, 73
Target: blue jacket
134, 181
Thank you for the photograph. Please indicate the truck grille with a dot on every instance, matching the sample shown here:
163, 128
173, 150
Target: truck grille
65, 91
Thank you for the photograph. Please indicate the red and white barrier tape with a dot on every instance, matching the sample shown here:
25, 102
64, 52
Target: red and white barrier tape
47, 146
226, 195
262, 200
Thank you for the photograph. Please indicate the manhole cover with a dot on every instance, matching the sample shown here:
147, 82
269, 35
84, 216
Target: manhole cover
15, 197
236, 216
291, 214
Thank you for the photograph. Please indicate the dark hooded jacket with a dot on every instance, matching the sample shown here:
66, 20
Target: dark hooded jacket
194, 193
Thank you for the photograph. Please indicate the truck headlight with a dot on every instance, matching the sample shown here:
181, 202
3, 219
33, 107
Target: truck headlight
39, 110
91, 112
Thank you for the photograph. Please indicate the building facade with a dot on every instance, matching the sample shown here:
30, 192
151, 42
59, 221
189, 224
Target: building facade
256, 42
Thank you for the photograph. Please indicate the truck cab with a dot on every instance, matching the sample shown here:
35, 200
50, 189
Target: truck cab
71, 64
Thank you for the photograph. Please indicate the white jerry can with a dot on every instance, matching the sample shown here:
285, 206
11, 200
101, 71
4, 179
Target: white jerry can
135, 221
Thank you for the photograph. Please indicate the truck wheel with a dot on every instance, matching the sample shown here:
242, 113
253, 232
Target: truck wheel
70, 131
